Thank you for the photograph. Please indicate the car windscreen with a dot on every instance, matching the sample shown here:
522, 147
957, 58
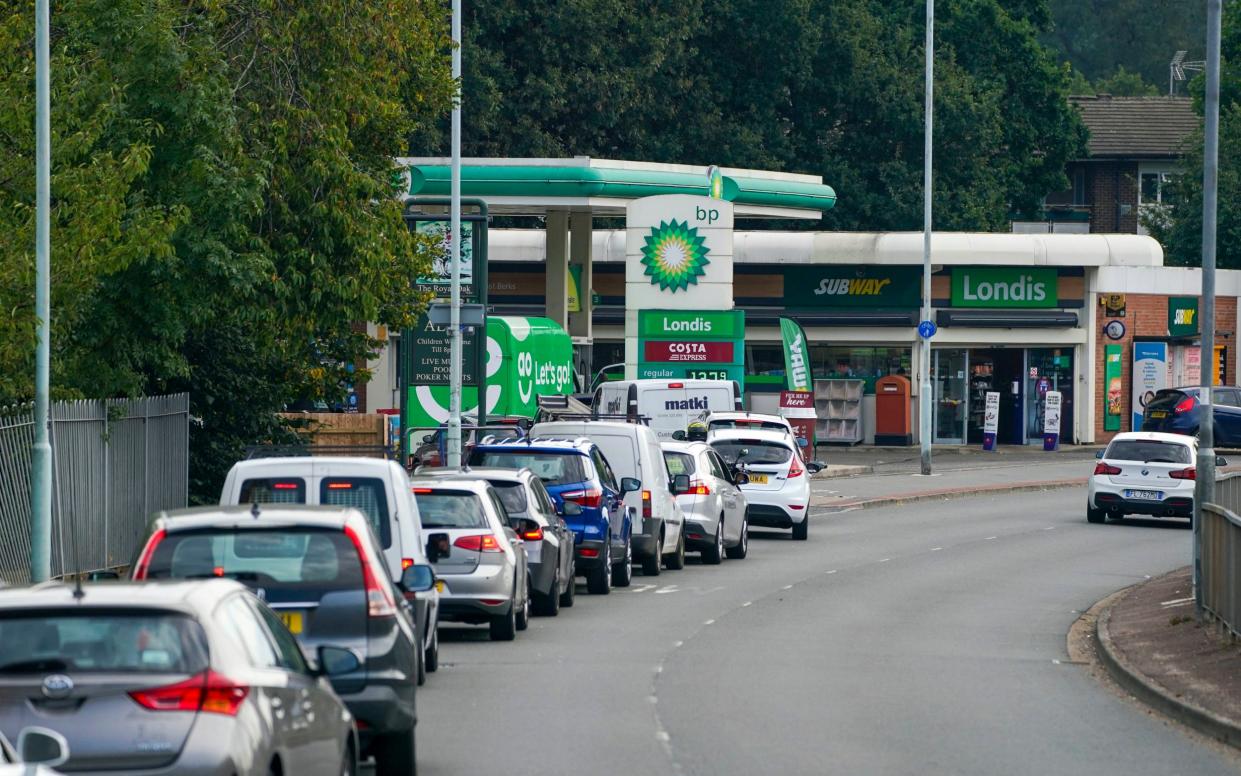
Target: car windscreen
366, 494
752, 451
679, 463
512, 495
98, 640
288, 564
450, 509
1148, 451
553, 468
273, 490
745, 423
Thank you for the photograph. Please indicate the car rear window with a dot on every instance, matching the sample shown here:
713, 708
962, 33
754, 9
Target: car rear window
512, 495
1148, 451
289, 565
551, 467
450, 509
744, 423
752, 451
273, 490
679, 463
366, 494
90, 640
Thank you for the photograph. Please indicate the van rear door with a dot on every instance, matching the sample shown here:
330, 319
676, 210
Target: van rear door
667, 406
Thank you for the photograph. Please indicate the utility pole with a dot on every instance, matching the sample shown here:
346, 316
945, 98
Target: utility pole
925, 403
455, 354
41, 457
1204, 482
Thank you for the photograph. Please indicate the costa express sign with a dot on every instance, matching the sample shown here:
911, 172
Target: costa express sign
705, 352
852, 286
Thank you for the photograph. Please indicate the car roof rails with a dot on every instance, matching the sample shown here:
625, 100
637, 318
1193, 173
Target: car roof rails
254, 452
617, 416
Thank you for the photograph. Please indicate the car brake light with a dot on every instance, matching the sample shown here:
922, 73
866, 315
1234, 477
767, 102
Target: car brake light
646, 504
209, 692
589, 552
478, 543
587, 498
795, 470
676, 385
284, 485
533, 535
697, 488
1184, 405
340, 486
406, 563
379, 599
421, 491
1184, 474
1106, 468
143, 566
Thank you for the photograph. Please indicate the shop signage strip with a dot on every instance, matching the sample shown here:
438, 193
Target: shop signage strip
1004, 287
856, 286
689, 352
691, 324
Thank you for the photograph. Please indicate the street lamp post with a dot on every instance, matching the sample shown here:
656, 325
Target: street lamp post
924, 351
455, 354
41, 453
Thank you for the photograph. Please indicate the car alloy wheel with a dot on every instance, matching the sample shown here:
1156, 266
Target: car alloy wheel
622, 573
523, 615
743, 545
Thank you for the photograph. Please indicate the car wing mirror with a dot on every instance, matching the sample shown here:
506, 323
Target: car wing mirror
679, 436
418, 578
630, 484
1221, 460
39, 745
337, 661
680, 484
1098, 453
570, 509
740, 477
438, 546
814, 467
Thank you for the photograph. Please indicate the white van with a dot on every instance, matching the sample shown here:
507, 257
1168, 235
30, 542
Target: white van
633, 450
379, 488
670, 404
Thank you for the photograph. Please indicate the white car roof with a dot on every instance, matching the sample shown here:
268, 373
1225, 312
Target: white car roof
308, 463
763, 434
1156, 436
685, 447
735, 415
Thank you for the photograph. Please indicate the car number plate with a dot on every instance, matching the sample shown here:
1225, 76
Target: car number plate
293, 621
1144, 495
439, 585
1159, 413
758, 479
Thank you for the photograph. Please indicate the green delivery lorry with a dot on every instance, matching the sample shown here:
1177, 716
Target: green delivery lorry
526, 358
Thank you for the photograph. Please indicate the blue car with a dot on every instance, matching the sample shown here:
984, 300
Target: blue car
1175, 410
586, 493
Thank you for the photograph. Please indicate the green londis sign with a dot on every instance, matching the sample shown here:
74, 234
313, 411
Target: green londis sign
1004, 287
692, 344
691, 324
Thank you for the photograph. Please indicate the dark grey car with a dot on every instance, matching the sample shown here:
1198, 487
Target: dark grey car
321, 570
545, 535
170, 677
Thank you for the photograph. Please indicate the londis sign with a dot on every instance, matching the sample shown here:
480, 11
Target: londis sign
1004, 287
694, 344
691, 324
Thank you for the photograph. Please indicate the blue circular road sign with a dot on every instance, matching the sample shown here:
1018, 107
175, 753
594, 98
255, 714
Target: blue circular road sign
926, 329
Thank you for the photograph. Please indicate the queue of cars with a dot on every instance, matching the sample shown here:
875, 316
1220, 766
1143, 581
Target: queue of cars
286, 630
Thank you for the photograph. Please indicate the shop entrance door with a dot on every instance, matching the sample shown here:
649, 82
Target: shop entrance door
950, 368
997, 370
1048, 369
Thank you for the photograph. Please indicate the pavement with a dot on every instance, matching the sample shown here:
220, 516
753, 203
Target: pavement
896, 640
1154, 647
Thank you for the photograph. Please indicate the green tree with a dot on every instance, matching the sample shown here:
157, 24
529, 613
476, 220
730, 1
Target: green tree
1124, 83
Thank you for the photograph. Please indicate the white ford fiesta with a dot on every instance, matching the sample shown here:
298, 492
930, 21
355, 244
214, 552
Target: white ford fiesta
1144, 473
777, 483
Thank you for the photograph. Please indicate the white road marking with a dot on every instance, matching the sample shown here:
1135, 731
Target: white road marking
989, 538
884, 560
677, 645
666, 589
1055, 662
1177, 601
833, 571
642, 588
1050, 528
709, 622
936, 549
747, 603
662, 736
787, 587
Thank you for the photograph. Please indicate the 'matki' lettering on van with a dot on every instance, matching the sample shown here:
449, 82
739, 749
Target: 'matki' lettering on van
692, 403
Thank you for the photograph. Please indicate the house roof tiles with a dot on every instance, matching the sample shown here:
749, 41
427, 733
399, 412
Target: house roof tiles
1144, 127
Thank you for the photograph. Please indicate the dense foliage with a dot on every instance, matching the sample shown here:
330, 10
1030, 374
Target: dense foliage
223, 208
832, 87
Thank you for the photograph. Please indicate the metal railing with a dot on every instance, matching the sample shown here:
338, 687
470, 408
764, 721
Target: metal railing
114, 462
1221, 553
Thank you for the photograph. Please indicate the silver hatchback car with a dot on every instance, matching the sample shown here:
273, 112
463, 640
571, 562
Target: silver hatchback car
480, 563
715, 507
171, 677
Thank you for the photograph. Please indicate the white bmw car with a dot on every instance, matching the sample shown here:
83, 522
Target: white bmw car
1143, 473
777, 480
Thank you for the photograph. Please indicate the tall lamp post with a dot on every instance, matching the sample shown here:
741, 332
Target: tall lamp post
1204, 483
455, 351
41, 453
926, 329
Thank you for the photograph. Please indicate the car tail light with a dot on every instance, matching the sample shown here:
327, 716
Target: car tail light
699, 488
797, 506
340, 486
1184, 474
284, 485
589, 552
420, 491
676, 385
1184, 405
795, 470
1106, 468
587, 498
209, 692
533, 535
646, 504
143, 566
478, 543
406, 563
379, 599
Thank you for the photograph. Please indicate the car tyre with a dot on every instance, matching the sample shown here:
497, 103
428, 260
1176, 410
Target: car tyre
801, 530
422, 665
570, 591
599, 579
349, 765
743, 546
504, 626
622, 573
1095, 515
395, 754
523, 614
715, 553
676, 561
548, 604
431, 659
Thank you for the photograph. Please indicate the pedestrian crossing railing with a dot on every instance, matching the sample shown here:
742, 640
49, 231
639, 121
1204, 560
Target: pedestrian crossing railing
1221, 553
114, 462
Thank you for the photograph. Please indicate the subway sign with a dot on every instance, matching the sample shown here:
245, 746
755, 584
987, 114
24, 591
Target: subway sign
854, 286
1004, 287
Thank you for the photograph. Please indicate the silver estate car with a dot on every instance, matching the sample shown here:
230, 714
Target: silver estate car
171, 677
481, 566
715, 507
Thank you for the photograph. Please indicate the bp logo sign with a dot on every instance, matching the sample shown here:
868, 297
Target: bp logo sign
674, 255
